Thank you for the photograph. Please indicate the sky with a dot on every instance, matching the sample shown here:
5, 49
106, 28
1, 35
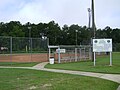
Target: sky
107, 12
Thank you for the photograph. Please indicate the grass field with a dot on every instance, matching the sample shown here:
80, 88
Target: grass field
23, 79
102, 65
15, 64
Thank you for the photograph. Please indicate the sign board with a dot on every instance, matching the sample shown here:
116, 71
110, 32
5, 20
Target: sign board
60, 50
102, 45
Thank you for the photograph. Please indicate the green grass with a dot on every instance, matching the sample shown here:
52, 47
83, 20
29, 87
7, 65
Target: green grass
15, 64
102, 65
23, 79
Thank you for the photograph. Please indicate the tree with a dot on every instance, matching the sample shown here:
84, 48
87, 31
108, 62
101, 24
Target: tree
58, 36
13, 28
53, 32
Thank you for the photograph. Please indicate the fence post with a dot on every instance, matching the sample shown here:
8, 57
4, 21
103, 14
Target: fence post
58, 54
31, 49
76, 54
11, 49
47, 41
94, 58
110, 58
90, 53
49, 54
80, 54
84, 54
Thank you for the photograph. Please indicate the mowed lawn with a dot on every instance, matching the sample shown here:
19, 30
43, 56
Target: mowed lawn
23, 79
102, 65
19, 64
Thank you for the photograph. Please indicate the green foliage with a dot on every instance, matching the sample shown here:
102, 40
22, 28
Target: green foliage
117, 47
65, 35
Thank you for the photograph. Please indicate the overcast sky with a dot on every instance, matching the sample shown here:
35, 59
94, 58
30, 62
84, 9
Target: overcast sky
107, 12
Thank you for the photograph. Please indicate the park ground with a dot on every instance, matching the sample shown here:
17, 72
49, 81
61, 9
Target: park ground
27, 79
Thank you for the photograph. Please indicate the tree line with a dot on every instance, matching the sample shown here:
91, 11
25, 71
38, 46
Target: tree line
66, 35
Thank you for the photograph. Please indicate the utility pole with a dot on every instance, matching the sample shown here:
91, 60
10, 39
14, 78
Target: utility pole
93, 20
93, 27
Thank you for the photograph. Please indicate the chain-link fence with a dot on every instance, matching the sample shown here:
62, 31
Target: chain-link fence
21, 49
69, 53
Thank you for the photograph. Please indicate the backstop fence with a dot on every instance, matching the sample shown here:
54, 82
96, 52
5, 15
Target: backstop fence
23, 49
70, 53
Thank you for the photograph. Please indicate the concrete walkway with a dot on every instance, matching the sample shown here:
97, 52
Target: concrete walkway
112, 77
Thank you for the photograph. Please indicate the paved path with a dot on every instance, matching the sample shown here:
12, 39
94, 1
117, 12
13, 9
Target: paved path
40, 65
112, 77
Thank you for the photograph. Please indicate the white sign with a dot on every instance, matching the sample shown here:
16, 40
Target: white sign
60, 50
102, 45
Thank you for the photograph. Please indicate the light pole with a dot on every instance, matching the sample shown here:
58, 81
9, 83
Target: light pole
29, 28
41, 34
76, 36
89, 14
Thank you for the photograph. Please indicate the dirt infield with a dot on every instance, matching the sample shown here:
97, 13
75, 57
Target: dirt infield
42, 57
